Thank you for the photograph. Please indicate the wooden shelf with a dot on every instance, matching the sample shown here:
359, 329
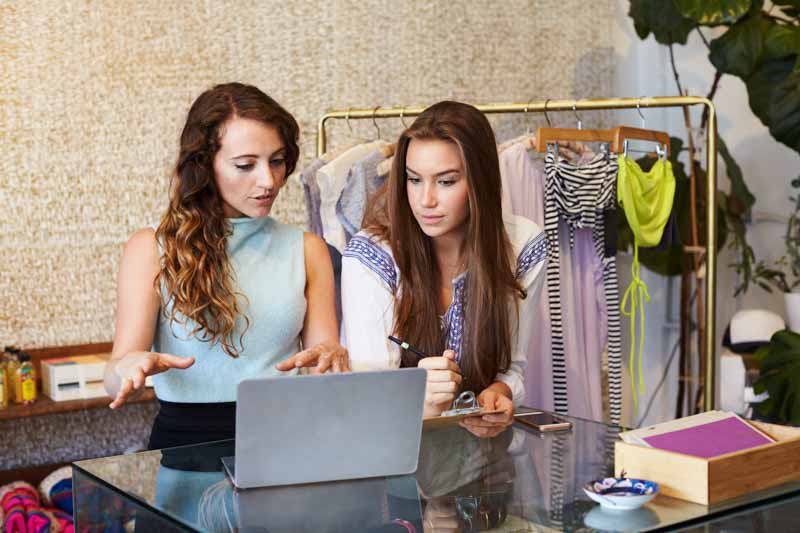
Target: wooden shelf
46, 406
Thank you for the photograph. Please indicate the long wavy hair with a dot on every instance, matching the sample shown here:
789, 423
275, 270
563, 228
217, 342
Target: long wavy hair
195, 271
492, 290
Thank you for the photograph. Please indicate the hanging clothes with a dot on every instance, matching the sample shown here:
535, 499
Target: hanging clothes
311, 194
646, 198
581, 290
363, 180
331, 179
579, 194
308, 179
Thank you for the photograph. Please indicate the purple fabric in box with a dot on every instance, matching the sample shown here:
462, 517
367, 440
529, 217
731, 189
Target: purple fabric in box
710, 440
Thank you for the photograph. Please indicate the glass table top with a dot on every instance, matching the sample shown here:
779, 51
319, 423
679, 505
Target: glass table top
520, 480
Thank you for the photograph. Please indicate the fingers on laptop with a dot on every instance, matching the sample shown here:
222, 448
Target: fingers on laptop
307, 357
324, 357
333, 358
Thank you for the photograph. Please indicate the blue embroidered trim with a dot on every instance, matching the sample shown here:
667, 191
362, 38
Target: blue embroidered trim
534, 251
373, 257
454, 318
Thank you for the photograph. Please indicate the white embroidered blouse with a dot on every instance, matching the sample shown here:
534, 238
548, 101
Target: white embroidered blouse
370, 279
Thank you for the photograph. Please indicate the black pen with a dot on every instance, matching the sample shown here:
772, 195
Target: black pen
404, 345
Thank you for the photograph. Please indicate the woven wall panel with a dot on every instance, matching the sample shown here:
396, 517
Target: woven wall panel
93, 96
74, 435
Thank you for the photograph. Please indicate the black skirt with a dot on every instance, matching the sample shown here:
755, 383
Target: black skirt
181, 424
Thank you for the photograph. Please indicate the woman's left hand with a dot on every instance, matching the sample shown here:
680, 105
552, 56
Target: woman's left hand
326, 356
490, 425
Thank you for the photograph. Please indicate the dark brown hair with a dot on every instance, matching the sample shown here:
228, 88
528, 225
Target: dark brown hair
195, 271
492, 290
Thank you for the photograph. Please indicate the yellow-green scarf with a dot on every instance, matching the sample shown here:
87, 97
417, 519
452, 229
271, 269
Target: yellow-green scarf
646, 198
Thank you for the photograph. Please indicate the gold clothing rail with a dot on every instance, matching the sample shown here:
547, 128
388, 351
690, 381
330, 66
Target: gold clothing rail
542, 106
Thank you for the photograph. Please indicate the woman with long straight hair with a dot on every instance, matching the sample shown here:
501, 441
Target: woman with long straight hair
438, 266
219, 291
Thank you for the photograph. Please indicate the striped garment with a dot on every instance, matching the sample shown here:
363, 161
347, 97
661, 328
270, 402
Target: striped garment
580, 195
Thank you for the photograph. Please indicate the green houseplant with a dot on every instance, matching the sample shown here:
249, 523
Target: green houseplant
779, 375
760, 45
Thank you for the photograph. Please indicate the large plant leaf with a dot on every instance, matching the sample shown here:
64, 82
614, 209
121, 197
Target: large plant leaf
784, 112
779, 375
781, 40
739, 50
774, 94
741, 199
713, 12
762, 82
662, 19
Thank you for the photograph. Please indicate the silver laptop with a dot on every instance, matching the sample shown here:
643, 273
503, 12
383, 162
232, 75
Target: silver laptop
354, 505
307, 429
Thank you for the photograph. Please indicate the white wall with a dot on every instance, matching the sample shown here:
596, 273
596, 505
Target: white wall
643, 68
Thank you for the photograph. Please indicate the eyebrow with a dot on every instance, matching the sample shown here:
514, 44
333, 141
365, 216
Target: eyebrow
438, 174
255, 156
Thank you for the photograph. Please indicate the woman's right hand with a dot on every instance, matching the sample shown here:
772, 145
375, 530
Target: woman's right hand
136, 366
443, 383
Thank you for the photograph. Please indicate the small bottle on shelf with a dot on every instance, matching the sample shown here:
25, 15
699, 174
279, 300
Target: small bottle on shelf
26, 376
3, 383
11, 357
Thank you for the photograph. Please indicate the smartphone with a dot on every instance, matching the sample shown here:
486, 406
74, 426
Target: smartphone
542, 421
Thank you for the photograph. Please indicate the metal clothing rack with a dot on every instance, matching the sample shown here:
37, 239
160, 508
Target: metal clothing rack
709, 397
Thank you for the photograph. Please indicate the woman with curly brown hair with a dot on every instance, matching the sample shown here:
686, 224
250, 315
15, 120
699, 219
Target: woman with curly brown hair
220, 291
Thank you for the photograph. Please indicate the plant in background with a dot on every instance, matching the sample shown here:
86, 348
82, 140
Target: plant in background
760, 45
784, 273
779, 375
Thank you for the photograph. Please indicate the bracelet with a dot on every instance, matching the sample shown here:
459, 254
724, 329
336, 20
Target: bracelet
406, 524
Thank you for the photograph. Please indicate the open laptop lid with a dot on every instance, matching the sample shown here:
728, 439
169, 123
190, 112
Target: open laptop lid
307, 429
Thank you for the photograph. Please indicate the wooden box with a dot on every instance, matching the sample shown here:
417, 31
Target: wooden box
709, 481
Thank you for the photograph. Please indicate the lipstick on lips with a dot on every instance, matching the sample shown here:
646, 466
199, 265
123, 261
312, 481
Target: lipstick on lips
264, 199
427, 219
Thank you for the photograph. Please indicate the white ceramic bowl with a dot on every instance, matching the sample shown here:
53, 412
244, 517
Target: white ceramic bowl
621, 494
602, 519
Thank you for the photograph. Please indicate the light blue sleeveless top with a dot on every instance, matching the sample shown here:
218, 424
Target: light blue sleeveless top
268, 263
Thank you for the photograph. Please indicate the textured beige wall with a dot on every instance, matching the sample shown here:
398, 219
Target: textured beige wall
93, 96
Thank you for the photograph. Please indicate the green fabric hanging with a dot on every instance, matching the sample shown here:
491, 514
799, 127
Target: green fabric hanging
646, 198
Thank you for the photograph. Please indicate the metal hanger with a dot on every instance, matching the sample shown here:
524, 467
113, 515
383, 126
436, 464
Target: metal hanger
575, 112
527, 118
375, 123
347, 120
622, 134
551, 135
546, 116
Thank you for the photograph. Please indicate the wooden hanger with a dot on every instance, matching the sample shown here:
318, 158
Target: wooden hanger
548, 135
623, 133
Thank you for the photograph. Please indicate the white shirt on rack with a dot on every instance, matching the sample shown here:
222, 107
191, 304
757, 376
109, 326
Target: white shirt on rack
331, 179
370, 279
